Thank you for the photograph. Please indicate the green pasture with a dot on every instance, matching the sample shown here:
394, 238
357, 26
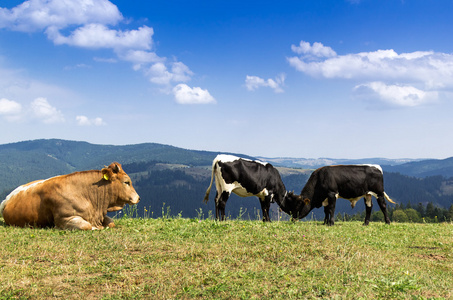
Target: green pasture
177, 258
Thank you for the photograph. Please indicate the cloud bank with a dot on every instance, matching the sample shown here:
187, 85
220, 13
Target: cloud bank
89, 24
405, 80
38, 15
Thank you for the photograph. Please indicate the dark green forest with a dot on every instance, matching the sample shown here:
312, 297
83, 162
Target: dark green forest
173, 181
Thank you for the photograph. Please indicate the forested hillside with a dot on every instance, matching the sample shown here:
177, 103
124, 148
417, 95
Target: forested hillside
430, 167
182, 189
174, 180
30, 160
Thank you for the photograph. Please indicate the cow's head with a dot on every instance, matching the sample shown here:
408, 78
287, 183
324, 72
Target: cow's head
296, 206
121, 186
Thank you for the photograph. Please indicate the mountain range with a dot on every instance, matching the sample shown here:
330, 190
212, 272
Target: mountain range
177, 178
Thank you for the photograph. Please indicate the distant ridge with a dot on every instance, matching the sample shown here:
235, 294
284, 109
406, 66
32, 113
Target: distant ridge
411, 167
425, 168
25, 161
314, 163
83, 155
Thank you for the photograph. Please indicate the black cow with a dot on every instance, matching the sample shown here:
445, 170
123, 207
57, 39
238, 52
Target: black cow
327, 184
245, 178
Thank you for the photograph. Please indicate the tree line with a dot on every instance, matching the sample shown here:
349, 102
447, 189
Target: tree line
408, 213
180, 193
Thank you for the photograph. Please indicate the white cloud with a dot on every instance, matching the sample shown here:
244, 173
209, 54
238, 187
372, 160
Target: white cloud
180, 72
9, 107
10, 110
97, 36
186, 95
317, 50
254, 82
422, 66
14, 84
411, 79
36, 15
42, 110
395, 95
159, 74
85, 121
88, 24
140, 58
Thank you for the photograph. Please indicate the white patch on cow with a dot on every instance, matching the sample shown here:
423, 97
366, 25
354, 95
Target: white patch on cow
368, 200
325, 202
263, 194
77, 222
373, 166
235, 187
226, 158
239, 190
354, 200
231, 158
17, 191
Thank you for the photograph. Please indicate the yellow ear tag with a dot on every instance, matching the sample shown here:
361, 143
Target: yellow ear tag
106, 177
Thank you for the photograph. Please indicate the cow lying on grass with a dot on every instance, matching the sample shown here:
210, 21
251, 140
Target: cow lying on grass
79, 200
245, 178
327, 184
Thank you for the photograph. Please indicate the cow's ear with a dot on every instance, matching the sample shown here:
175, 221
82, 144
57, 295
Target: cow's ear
116, 167
107, 173
306, 201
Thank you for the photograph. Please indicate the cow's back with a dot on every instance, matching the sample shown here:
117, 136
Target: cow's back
350, 180
25, 206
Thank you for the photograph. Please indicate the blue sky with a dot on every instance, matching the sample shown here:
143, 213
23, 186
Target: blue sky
340, 79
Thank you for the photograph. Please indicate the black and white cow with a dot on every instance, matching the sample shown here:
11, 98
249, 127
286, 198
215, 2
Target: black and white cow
327, 184
245, 178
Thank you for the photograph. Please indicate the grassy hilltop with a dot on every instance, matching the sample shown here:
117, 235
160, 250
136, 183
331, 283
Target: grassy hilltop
180, 258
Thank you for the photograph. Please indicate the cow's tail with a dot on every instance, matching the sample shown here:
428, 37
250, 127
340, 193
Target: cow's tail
206, 196
388, 198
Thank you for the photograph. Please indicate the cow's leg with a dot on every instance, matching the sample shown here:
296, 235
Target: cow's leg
326, 214
216, 201
329, 210
325, 204
74, 222
383, 206
220, 205
108, 222
368, 208
265, 207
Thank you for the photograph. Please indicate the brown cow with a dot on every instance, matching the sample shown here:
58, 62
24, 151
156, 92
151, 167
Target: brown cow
79, 200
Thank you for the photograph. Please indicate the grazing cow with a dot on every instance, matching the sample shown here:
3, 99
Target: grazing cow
327, 184
245, 178
79, 200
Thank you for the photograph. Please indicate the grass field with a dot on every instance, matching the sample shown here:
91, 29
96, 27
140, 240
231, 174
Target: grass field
175, 258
